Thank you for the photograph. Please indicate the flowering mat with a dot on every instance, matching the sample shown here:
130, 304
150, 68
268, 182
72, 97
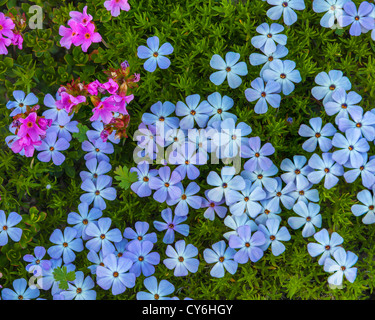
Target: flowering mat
198, 149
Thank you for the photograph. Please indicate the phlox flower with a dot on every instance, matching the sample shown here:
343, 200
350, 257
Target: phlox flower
342, 265
142, 187
116, 5
283, 194
81, 17
274, 235
8, 229
324, 167
303, 192
213, 207
224, 185
296, 170
157, 291
233, 222
285, 8
222, 257
187, 198
262, 178
96, 168
102, 237
140, 233
258, 155
229, 69
181, 258
364, 123
367, 207
332, 8
309, 218
98, 191
30, 127
268, 93
193, 111
24, 145
366, 170
121, 247
97, 149
104, 110
359, 20
93, 135
86, 36
270, 210
20, 292
352, 146
143, 260
160, 117
220, 106
283, 72
165, 184
172, 225
96, 259
60, 115
82, 219
326, 246
4, 43
65, 244
7, 25
21, 102
69, 35
115, 273
80, 288
51, 147
248, 244
328, 83
269, 36
154, 54
37, 261
317, 135
265, 58
343, 104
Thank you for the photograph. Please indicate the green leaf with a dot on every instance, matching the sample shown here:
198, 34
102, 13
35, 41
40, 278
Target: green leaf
81, 135
125, 177
63, 276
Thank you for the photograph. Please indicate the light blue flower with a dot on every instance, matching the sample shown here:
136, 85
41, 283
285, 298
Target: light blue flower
193, 111
220, 106
269, 34
332, 8
229, 69
80, 288
233, 222
274, 236
155, 54
309, 218
98, 191
285, 8
157, 291
367, 208
21, 102
20, 292
8, 229
265, 59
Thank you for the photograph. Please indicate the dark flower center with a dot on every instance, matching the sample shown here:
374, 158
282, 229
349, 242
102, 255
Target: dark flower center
318, 135
228, 69
225, 185
79, 290
358, 125
85, 221
260, 176
87, 35
279, 194
326, 170
344, 106
246, 199
302, 192
272, 238
308, 219
269, 35
350, 148
212, 204
156, 296
270, 58
193, 112
95, 175
171, 226
115, 274
356, 18
285, 4
181, 259
65, 244
283, 76
267, 212
183, 197
371, 207
327, 247
145, 179
361, 168
97, 149
97, 192
102, 236
221, 259
263, 94
257, 154
332, 87
51, 148
140, 258
139, 238
247, 244
166, 184
20, 297
156, 54
5, 228
343, 268
161, 119
297, 171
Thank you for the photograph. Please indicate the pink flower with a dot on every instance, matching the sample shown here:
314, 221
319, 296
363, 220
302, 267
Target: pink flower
4, 43
6, 26
115, 5
68, 101
30, 128
104, 110
111, 86
81, 18
92, 87
122, 102
87, 35
26, 144
69, 35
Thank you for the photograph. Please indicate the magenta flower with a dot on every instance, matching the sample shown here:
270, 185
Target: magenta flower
104, 110
116, 5
4, 43
30, 127
92, 87
25, 144
68, 101
111, 86
69, 35
81, 17
17, 40
86, 36
122, 102
6, 26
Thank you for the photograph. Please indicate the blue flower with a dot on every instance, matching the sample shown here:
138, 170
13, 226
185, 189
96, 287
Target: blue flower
37, 261
115, 273
166, 184
187, 198
121, 247
328, 84
264, 93
342, 265
143, 260
54, 113
262, 178
181, 258
21, 102
160, 117
257, 154
96, 258
285, 8
155, 54
367, 208
157, 291
141, 187
220, 106
274, 236
63, 129
224, 185
102, 237
304, 193
326, 246
283, 194
269, 35
7, 227
352, 146
360, 19
97, 192
271, 210
296, 170
233, 222
213, 207
317, 134
366, 170
324, 167
344, 104
172, 225
93, 135
309, 218
193, 111
82, 219
265, 59
283, 72
96, 168
332, 8
248, 245
51, 147
80, 288
20, 292
223, 259
65, 244
364, 123
229, 69
97, 149
140, 233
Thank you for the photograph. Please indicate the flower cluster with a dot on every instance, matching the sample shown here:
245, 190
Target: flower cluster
11, 28
115, 6
81, 31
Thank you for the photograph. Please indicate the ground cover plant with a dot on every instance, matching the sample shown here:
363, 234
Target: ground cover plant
84, 86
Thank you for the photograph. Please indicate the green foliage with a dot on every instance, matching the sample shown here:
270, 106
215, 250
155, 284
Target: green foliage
62, 276
197, 29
